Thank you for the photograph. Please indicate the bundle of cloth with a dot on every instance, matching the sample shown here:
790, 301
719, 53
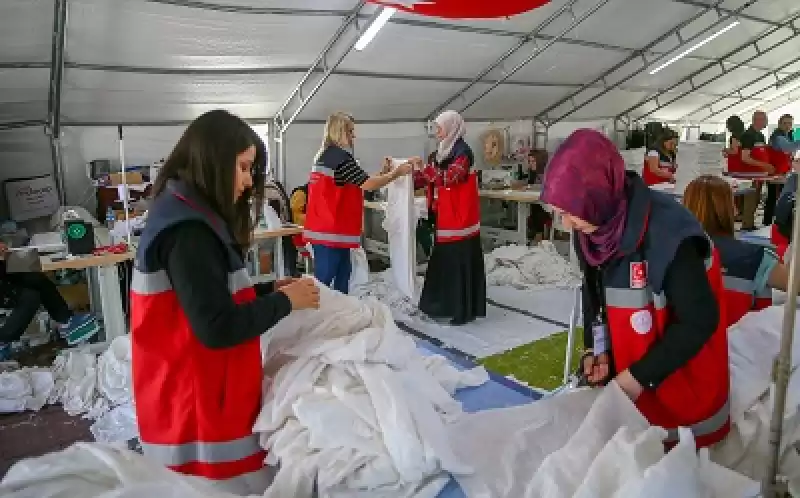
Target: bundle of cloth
96, 387
524, 267
361, 412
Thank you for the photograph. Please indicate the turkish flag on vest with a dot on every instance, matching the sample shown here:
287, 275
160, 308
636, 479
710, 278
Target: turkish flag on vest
464, 9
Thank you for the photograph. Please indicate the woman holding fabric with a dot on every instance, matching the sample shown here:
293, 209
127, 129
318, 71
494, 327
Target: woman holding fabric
750, 271
196, 318
659, 162
335, 209
455, 282
651, 290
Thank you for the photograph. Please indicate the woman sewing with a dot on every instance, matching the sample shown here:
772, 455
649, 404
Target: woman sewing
659, 162
651, 290
455, 281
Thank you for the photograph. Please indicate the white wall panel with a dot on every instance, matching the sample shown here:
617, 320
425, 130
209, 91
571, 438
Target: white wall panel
563, 63
145, 34
128, 97
26, 28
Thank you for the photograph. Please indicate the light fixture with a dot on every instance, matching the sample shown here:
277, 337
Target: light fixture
373, 28
695, 47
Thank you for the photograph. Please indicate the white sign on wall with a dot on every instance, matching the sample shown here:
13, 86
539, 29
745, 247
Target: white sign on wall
30, 198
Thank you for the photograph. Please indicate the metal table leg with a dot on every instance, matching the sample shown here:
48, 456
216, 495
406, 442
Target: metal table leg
107, 279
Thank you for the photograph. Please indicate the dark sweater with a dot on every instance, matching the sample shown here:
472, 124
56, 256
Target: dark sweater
695, 314
195, 261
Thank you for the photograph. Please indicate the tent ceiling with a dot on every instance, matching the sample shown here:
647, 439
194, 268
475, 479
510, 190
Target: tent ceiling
168, 60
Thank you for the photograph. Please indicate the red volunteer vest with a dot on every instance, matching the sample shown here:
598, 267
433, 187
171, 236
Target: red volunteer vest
760, 152
637, 318
780, 242
334, 214
696, 395
651, 178
458, 211
781, 160
735, 164
740, 264
195, 406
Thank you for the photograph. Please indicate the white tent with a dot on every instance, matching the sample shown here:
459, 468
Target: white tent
75, 69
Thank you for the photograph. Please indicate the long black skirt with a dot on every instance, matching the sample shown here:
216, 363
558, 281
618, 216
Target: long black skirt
455, 283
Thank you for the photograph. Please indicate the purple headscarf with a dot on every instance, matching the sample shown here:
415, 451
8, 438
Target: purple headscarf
586, 179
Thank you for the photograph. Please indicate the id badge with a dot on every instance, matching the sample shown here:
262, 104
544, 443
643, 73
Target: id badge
600, 335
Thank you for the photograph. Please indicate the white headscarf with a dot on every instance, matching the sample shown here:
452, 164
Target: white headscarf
452, 125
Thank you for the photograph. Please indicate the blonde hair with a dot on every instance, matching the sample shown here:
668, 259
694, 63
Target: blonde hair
337, 127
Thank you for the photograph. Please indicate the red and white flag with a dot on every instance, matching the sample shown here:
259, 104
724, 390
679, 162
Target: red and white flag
464, 9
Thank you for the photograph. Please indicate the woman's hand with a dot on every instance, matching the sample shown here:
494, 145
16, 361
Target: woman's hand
279, 284
3, 250
387, 165
303, 293
402, 170
417, 163
629, 385
596, 369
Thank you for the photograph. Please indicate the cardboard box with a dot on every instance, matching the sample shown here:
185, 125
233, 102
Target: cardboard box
265, 261
132, 178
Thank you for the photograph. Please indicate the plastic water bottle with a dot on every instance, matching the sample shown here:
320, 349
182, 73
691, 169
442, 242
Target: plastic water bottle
110, 218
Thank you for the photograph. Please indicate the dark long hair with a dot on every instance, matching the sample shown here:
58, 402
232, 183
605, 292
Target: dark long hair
205, 158
735, 126
663, 137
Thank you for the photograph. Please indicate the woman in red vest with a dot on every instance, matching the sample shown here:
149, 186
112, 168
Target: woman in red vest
652, 290
455, 281
196, 318
659, 162
750, 271
335, 207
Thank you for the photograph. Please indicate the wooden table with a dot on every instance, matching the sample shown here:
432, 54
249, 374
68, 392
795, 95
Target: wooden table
261, 234
523, 198
104, 289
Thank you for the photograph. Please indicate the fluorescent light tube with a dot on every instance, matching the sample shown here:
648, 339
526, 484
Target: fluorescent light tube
373, 28
695, 47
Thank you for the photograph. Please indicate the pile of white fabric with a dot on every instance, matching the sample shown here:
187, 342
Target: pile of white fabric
359, 409
97, 387
382, 287
538, 267
696, 159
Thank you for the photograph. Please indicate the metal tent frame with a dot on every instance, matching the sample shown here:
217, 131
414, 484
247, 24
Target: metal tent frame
493, 75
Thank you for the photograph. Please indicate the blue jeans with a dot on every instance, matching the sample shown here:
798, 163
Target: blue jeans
332, 267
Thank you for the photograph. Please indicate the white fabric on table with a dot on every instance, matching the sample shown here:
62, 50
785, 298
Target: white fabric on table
359, 408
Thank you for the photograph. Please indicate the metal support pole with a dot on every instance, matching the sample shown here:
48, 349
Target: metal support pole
53, 127
738, 92
540, 130
347, 32
633, 56
771, 486
125, 192
786, 23
538, 51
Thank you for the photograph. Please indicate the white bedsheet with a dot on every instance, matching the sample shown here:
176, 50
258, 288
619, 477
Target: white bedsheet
359, 407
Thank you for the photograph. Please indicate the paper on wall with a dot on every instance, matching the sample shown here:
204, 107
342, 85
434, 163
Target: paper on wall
30, 198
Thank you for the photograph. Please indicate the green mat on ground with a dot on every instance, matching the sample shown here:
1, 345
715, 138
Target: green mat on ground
539, 364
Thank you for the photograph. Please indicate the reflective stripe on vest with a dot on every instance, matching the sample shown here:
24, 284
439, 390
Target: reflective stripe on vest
464, 232
636, 299
705, 427
172, 455
329, 237
737, 284
322, 170
157, 282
